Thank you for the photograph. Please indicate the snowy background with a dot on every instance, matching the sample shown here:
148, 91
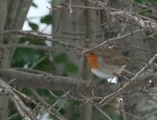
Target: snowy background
35, 13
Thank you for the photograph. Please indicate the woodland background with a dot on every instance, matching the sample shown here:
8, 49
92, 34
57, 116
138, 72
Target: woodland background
49, 74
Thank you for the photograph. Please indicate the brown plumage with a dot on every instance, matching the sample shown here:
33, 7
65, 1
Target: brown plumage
107, 63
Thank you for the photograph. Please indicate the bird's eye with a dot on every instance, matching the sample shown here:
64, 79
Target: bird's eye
92, 53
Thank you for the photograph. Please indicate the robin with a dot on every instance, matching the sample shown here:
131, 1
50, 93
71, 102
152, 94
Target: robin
108, 64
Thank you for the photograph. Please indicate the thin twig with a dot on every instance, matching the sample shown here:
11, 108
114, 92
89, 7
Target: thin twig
110, 40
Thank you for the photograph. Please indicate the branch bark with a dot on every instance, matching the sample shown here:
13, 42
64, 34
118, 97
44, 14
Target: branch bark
76, 86
3, 97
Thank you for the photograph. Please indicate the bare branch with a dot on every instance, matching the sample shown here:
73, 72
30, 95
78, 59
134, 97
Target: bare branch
77, 86
41, 37
23, 110
110, 40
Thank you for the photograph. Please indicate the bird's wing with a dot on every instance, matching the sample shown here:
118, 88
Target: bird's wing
117, 60
113, 57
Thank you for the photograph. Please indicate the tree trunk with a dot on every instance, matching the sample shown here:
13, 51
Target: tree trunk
13, 14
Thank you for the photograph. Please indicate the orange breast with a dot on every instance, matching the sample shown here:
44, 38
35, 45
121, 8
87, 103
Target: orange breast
92, 59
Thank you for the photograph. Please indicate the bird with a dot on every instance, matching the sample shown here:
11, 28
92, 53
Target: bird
107, 64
